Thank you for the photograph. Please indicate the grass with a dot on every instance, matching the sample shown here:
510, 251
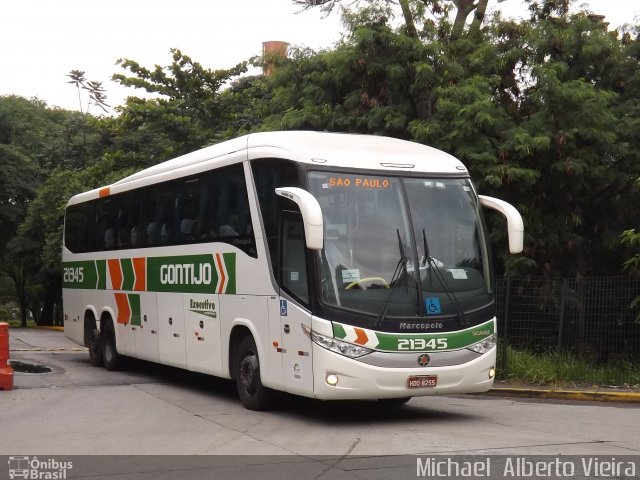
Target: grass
17, 323
562, 368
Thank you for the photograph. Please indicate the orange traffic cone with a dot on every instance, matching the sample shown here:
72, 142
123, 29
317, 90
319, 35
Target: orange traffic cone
6, 372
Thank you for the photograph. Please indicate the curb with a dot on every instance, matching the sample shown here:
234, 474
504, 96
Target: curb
59, 329
585, 395
62, 349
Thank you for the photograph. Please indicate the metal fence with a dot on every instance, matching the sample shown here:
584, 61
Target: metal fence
584, 328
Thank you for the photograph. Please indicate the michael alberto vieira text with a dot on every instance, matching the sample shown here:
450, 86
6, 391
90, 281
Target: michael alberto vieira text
559, 467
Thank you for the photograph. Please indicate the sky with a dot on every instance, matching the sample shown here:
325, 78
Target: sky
43, 40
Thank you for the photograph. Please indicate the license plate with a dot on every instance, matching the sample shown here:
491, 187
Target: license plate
422, 381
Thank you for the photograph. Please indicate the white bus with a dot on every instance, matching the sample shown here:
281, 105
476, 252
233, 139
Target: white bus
332, 266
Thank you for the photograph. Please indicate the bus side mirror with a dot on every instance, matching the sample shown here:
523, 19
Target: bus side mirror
311, 215
515, 226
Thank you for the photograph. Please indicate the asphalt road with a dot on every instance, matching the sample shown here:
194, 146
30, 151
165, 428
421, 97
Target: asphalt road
153, 410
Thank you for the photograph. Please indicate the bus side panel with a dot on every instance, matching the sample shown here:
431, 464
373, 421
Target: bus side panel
171, 329
146, 337
202, 333
297, 359
251, 312
73, 306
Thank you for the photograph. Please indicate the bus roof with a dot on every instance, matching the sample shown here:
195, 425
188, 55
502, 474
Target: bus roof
340, 150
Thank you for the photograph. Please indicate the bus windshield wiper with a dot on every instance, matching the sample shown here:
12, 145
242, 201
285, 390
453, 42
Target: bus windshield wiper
400, 268
433, 266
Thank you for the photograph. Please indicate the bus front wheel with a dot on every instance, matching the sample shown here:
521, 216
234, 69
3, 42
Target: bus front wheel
253, 394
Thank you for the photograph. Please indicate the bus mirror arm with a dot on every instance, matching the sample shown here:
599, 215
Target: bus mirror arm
515, 226
311, 215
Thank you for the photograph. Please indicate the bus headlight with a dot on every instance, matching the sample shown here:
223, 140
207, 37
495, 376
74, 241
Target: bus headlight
338, 346
485, 345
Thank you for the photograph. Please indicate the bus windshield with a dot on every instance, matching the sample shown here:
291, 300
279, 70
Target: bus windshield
401, 246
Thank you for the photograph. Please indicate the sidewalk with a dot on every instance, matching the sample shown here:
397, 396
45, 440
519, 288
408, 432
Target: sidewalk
592, 393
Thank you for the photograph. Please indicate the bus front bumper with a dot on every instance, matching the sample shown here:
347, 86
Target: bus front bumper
355, 380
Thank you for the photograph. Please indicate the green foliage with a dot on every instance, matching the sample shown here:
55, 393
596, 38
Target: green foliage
188, 108
631, 238
565, 368
543, 112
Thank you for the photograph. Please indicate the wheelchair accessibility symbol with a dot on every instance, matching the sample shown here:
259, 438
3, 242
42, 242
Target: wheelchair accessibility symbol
283, 308
432, 305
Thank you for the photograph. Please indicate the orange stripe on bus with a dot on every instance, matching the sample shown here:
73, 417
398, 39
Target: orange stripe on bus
222, 276
124, 311
115, 272
361, 336
139, 267
104, 192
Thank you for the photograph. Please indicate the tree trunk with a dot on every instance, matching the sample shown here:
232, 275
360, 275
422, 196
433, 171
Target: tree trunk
17, 273
46, 316
408, 19
478, 18
465, 7
53, 287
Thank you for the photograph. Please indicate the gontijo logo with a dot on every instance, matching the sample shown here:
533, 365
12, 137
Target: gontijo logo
185, 274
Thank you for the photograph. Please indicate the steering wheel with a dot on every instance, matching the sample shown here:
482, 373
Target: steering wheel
368, 279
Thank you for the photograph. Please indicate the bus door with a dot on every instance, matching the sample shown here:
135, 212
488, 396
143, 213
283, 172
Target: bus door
294, 311
139, 326
146, 336
171, 329
202, 327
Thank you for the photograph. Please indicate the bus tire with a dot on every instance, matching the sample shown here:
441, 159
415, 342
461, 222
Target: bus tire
112, 359
394, 402
92, 341
252, 393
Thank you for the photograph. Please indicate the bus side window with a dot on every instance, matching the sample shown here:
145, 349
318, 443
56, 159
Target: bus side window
231, 218
189, 210
293, 268
268, 174
105, 219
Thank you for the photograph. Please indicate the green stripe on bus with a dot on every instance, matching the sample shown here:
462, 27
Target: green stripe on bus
338, 330
230, 264
182, 273
128, 277
455, 340
134, 303
185, 273
424, 342
80, 274
101, 268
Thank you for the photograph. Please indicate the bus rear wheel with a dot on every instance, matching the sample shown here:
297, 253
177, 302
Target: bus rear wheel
394, 402
112, 359
253, 394
95, 350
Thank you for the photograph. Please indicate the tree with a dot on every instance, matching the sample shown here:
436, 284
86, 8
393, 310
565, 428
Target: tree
96, 91
541, 111
414, 11
34, 141
631, 238
189, 107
